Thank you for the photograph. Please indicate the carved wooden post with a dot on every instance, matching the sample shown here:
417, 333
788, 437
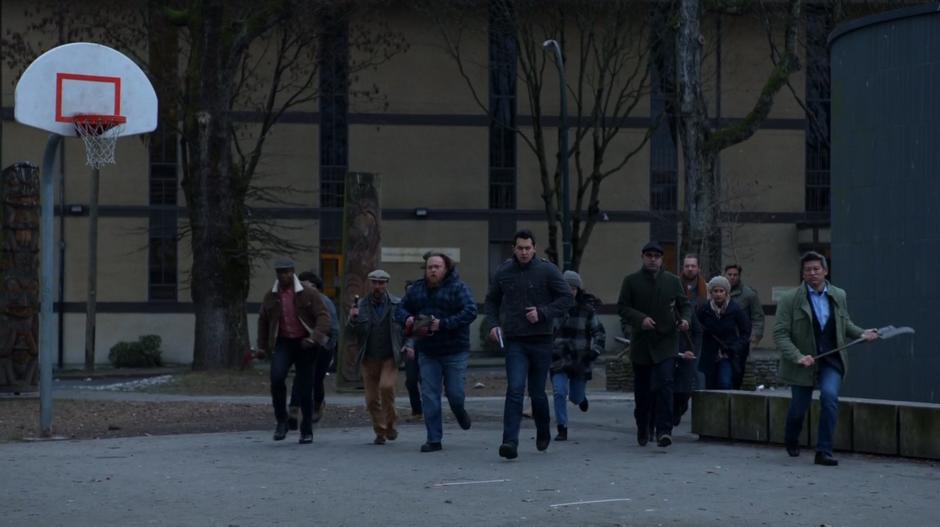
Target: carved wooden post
19, 277
362, 238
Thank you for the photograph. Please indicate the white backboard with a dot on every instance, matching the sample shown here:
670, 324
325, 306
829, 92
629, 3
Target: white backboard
84, 78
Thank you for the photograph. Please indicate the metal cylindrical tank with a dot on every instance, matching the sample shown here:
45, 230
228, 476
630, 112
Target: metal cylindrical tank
886, 196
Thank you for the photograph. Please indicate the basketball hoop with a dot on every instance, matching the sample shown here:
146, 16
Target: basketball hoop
100, 134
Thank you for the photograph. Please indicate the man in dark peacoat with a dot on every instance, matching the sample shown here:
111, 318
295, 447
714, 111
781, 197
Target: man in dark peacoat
650, 300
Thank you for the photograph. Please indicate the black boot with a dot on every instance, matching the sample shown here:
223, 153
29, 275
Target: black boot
280, 431
508, 450
463, 419
542, 439
562, 433
584, 405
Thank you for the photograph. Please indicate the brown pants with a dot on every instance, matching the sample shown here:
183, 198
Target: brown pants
380, 378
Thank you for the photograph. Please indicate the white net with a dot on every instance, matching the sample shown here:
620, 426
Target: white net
100, 134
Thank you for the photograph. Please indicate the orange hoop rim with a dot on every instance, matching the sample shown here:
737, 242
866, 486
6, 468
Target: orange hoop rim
97, 122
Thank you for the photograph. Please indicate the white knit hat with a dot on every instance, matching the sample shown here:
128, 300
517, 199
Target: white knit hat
719, 281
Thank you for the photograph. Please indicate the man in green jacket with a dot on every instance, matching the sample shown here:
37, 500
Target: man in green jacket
653, 309
748, 299
813, 319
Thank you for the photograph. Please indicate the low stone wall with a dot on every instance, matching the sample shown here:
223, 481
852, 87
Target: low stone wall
761, 369
869, 426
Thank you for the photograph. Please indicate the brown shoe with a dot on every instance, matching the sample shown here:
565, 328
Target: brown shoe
379, 440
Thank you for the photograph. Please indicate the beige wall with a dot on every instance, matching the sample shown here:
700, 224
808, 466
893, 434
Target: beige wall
766, 172
424, 166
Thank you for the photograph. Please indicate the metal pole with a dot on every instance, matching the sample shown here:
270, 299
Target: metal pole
46, 264
552, 45
91, 304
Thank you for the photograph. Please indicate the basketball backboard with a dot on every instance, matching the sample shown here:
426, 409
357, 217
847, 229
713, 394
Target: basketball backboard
84, 78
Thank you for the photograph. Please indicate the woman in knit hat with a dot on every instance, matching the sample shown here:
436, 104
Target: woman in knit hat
579, 339
726, 330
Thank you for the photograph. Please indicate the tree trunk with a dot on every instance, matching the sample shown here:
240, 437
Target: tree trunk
220, 270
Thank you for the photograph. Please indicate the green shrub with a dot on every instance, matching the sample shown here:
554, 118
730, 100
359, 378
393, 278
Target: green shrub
144, 353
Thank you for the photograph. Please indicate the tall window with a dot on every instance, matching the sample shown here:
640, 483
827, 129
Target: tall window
502, 98
334, 109
162, 247
664, 161
503, 57
818, 25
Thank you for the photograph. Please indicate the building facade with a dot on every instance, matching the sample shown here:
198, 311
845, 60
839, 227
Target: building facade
454, 175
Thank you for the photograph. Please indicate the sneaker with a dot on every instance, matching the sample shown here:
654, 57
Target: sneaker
391, 435
664, 440
508, 450
825, 459
562, 433
642, 436
379, 440
431, 447
463, 419
584, 405
280, 431
292, 414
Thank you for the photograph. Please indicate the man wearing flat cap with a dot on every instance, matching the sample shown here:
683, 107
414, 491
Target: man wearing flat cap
653, 308
371, 320
293, 324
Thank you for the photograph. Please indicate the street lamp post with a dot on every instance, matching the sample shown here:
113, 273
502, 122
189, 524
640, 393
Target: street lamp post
552, 46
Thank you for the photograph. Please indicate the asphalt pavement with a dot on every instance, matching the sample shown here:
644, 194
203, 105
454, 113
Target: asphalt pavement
599, 477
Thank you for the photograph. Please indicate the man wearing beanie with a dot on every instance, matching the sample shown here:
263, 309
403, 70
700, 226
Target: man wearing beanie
726, 330
653, 308
579, 340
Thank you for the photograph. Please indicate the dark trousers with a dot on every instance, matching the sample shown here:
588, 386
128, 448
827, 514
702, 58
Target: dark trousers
526, 361
413, 384
320, 367
288, 352
652, 385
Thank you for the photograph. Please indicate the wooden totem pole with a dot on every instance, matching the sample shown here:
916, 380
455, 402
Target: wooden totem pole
362, 239
19, 278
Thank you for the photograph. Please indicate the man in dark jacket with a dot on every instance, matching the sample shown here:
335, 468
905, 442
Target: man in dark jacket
526, 295
654, 307
293, 324
437, 312
748, 299
371, 320
725, 332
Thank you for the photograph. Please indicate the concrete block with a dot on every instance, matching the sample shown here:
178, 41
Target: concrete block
920, 430
842, 439
749, 417
777, 408
875, 426
711, 414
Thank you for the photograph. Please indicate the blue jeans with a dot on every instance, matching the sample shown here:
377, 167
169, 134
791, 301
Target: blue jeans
526, 361
830, 380
435, 369
412, 384
561, 383
719, 377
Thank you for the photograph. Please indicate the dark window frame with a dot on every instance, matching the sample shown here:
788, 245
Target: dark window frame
162, 243
819, 23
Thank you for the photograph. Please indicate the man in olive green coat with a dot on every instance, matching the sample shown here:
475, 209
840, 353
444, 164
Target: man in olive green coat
653, 309
748, 299
813, 319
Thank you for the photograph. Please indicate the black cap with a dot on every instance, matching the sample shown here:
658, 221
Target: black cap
652, 247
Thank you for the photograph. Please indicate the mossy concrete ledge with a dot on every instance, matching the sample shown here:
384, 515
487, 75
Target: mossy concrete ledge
870, 426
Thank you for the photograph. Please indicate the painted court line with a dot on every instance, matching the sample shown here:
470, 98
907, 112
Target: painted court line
588, 502
469, 482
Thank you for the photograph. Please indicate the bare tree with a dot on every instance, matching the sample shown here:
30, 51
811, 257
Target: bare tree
605, 47
244, 64
702, 138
